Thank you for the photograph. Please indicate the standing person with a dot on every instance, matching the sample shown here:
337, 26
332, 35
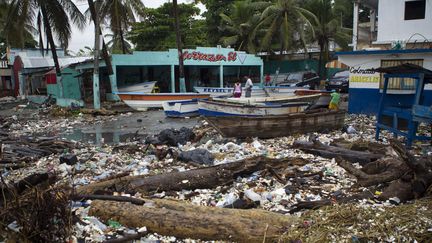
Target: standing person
248, 87
267, 79
237, 90
334, 102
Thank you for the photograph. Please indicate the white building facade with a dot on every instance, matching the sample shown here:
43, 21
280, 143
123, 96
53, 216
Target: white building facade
405, 21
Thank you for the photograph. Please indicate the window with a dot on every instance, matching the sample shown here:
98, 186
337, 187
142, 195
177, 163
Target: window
403, 85
415, 9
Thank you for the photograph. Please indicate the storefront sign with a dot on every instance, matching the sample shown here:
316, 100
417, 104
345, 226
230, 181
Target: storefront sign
359, 75
218, 90
199, 56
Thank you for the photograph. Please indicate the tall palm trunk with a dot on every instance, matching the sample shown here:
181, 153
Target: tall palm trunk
122, 41
96, 89
179, 48
325, 58
320, 60
50, 38
105, 54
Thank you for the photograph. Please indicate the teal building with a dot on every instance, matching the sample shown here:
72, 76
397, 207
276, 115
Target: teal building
204, 66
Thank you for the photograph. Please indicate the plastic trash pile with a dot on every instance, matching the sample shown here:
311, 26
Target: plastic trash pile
88, 163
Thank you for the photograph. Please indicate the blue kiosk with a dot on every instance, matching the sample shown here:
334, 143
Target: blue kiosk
409, 108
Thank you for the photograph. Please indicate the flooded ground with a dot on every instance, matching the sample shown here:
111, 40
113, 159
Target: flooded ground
127, 126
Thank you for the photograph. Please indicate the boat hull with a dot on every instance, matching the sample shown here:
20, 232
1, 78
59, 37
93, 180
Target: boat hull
272, 100
272, 91
141, 101
187, 108
146, 87
277, 126
220, 108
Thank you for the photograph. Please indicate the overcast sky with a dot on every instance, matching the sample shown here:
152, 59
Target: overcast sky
80, 39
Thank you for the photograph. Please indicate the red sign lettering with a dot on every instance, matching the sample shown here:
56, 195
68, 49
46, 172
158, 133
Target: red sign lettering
199, 56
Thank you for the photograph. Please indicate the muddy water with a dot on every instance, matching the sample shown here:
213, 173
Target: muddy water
126, 127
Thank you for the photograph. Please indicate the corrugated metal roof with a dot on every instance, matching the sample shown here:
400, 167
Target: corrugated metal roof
41, 62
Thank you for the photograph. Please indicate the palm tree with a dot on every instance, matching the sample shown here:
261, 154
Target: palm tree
52, 17
179, 48
286, 22
239, 27
120, 14
16, 38
115, 44
327, 28
86, 51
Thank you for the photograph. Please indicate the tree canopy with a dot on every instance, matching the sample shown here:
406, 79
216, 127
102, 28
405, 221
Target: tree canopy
156, 31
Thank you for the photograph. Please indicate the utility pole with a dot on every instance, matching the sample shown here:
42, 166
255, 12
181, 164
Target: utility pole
179, 48
96, 88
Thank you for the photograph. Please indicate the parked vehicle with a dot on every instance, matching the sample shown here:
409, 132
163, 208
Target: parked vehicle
301, 79
339, 80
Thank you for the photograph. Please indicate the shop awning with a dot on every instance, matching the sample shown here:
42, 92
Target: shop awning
336, 64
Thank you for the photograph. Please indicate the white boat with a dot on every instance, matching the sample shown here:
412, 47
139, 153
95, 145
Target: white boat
143, 101
187, 108
222, 108
280, 91
271, 100
216, 92
146, 87
272, 91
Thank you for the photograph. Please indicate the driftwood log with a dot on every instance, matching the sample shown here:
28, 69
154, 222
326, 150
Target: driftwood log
208, 177
15, 151
330, 152
325, 202
408, 177
184, 220
381, 171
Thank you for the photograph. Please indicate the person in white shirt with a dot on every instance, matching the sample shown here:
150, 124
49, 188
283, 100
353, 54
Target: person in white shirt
248, 87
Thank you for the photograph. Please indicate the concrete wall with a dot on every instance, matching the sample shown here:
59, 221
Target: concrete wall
393, 26
364, 92
71, 85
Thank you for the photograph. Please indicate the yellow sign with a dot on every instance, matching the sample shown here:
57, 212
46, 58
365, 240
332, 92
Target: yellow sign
364, 79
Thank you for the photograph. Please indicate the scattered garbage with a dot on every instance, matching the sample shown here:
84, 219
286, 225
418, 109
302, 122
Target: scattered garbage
114, 224
200, 156
173, 137
69, 159
277, 188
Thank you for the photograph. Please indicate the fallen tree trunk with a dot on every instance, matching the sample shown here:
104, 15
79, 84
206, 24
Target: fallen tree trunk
393, 170
208, 177
108, 198
325, 202
408, 177
331, 152
183, 220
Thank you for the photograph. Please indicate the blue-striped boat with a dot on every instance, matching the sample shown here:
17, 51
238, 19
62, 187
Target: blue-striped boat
214, 108
185, 108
